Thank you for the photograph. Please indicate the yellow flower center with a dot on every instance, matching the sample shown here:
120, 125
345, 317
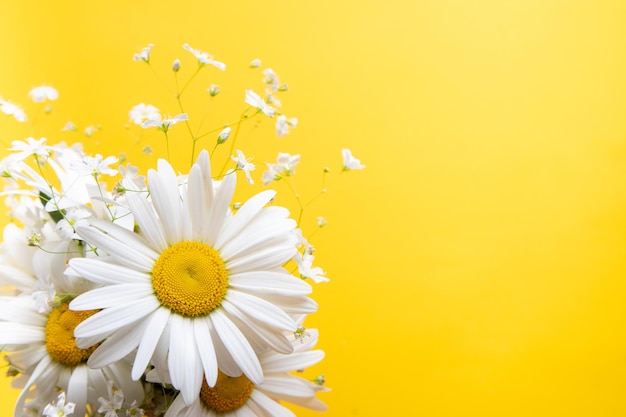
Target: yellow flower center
60, 341
228, 394
190, 278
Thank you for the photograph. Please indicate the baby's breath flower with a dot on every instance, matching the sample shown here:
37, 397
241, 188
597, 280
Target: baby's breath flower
70, 126
320, 380
176, 65
164, 124
142, 112
349, 161
134, 410
61, 409
34, 239
306, 269
147, 150
255, 63
90, 130
213, 90
94, 166
244, 165
14, 110
271, 79
224, 134
321, 222
29, 147
283, 124
144, 55
256, 101
43, 93
113, 403
204, 58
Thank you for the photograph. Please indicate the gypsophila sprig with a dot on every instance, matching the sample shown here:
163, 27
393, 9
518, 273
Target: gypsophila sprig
155, 292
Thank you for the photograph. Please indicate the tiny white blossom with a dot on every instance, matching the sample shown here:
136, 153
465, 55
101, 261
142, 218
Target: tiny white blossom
321, 222
349, 161
144, 55
283, 124
90, 130
113, 403
43, 93
244, 165
224, 135
204, 58
256, 101
176, 65
134, 410
142, 112
255, 63
60, 409
66, 227
94, 166
285, 165
213, 90
306, 269
14, 110
29, 147
164, 124
44, 294
70, 126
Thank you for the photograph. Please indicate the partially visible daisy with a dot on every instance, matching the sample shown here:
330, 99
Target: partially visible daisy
14, 110
239, 397
44, 348
164, 124
244, 164
235, 299
256, 101
349, 161
142, 112
43, 93
204, 58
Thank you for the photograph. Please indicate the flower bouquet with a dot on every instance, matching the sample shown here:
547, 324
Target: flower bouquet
125, 294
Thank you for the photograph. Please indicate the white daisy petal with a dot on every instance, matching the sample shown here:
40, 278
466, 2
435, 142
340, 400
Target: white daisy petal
105, 297
111, 319
261, 260
106, 273
18, 334
245, 213
206, 350
293, 305
166, 199
220, 208
261, 310
266, 282
197, 208
148, 342
287, 363
247, 244
272, 407
148, 223
117, 346
77, 389
237, 346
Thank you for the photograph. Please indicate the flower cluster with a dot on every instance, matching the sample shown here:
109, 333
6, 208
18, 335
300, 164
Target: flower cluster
157, 295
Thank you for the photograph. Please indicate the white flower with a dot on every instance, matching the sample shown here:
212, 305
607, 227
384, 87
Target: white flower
164, 124
134, 410
144, 55
44, 347
14, 110
256, 101
255, 63
94, 165
283, 124
43, 93
224, 135
90, 130
176, 65
70, 126
142, 112
66, 227
213, 90
306, 269
244, 165
239, 397
114, 402
29, 147
60, 409
271, 79
236, 301
285, 165
349, 161
204, 58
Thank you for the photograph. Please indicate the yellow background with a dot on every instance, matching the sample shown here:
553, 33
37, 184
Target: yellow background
477, 264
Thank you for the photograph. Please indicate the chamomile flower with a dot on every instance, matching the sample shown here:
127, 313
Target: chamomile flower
239, 397
43, 93
42, 345
198, 285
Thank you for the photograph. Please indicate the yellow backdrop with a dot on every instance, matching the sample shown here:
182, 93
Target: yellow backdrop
478, 263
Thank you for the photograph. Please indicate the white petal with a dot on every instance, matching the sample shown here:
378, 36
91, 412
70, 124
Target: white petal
237, 346
265, 282
18, 334
111, 296
183, 358
148, 223
106, 273
163, 187
288, 363
270, 258
149, 340
272, 407
111, 319
261, 310
292, 305
206, 350
220, 208
197, 202
77, 389
117, 346
243, 216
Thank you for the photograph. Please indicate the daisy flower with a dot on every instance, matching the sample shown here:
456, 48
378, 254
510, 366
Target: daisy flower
43, 347
202, 286
239, 397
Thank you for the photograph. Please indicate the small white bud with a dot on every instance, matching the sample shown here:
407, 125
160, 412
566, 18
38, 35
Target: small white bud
223, 136
321, 222
176, 65
213, 90
255, 63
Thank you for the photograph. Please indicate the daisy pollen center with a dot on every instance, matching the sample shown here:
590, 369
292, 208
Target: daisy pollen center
190, 278
228, 394
60, 341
